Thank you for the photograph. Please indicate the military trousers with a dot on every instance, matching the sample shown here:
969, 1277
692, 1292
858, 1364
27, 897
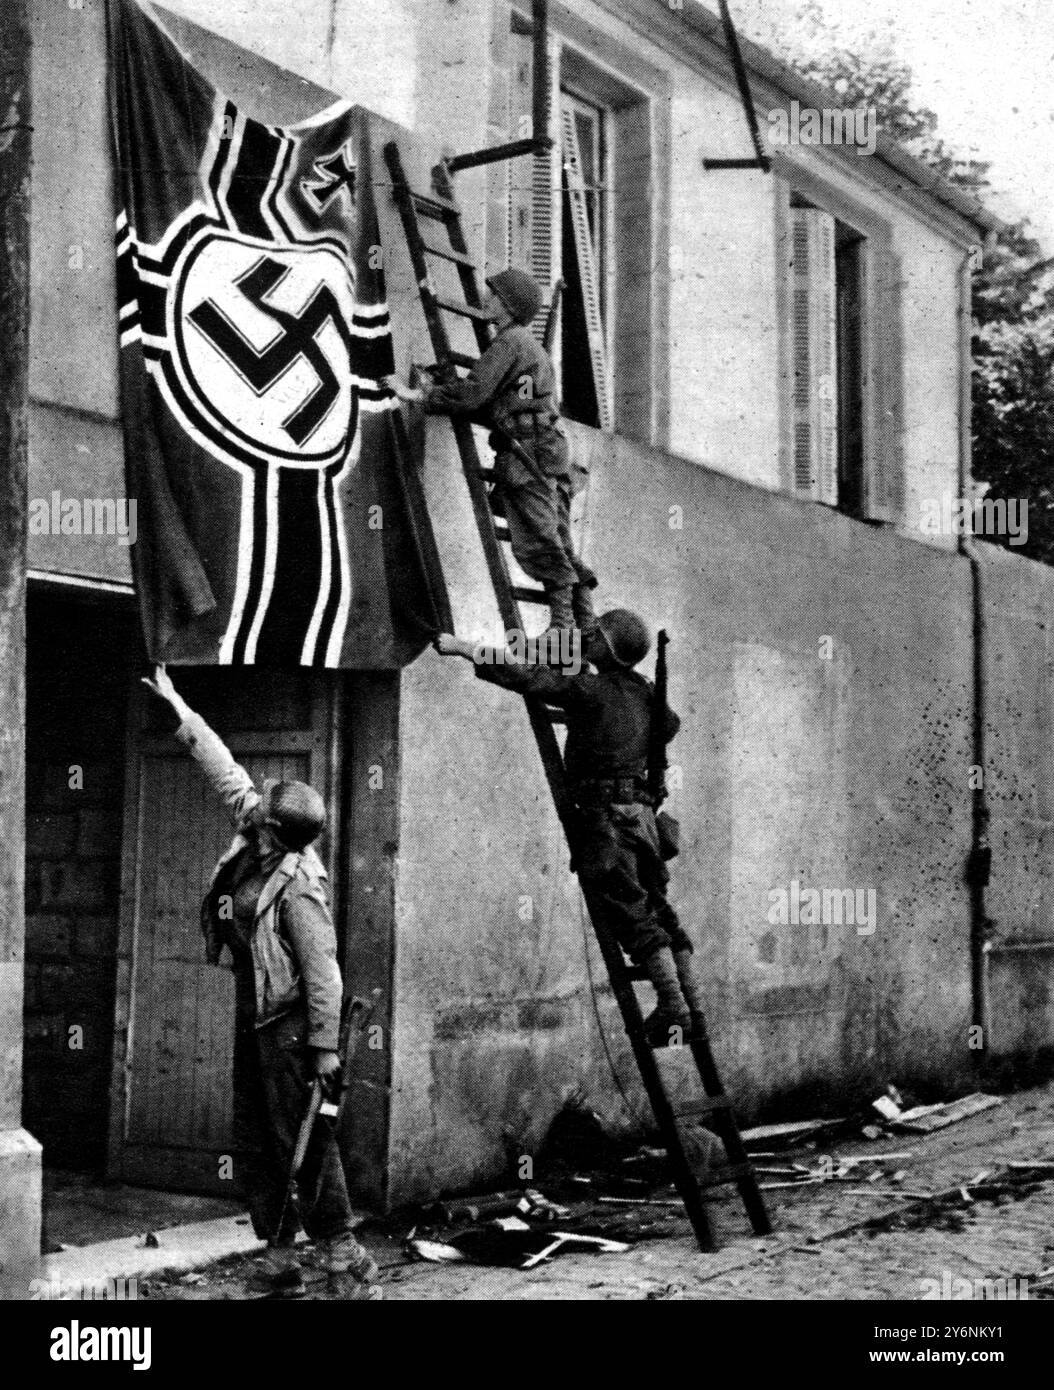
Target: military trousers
537, 507
272, 1084
619, 859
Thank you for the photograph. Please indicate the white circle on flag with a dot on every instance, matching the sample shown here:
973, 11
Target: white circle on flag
261, 333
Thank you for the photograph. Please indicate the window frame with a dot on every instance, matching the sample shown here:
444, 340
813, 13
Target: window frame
597, 69
882, 483
604, 249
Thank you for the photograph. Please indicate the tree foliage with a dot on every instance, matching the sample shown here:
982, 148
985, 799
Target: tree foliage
1013, 292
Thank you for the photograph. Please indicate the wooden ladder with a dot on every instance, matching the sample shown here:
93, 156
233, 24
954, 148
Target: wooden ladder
439, 207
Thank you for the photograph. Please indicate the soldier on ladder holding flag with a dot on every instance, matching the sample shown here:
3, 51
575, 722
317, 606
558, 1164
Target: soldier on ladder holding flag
512, 390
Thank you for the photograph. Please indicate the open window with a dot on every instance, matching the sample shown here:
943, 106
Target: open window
558, 223
826, 308
584, 213
583, 357
843, 358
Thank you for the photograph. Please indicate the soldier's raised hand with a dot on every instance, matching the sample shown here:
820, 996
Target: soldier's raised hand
161, 684
162, 687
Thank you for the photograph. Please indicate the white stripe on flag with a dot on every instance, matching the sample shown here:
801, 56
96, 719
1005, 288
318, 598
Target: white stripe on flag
245, 560
340, 622
307, 656
270, 558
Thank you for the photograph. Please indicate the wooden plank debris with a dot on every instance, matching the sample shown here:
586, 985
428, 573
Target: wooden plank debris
788, 1133
924, 1119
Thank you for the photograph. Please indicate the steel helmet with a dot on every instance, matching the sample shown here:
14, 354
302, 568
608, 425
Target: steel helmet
626, 635
518, 292
295, 812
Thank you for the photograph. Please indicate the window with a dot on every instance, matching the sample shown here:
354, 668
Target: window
583, 357
826, 355
840, 293
849, 348
595, 214
558, 225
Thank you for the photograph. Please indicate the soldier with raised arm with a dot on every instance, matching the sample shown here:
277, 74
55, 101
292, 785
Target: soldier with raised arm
267, 904
618, 855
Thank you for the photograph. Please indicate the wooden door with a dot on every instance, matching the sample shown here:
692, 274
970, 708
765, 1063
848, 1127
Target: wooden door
171, 1119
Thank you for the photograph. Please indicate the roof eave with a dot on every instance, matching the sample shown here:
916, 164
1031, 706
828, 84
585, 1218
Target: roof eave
763, 65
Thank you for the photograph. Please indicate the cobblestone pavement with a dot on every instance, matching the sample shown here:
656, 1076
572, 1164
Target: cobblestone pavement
834, 1240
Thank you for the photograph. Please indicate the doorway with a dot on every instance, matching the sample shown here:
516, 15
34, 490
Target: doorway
82, 654
171, 1104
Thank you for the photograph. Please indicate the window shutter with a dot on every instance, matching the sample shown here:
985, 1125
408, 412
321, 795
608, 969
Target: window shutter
813, 347
587, 264
886, 486
534, 197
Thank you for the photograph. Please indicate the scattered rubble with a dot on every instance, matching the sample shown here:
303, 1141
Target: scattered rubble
831, 1169
510, 1242
599, 1194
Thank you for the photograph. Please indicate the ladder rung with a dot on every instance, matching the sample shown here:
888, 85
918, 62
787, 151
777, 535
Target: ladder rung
503, 533
487, 474
699, 1109
466, 311
555, 716
459, 359
529, 595
727, 1173
448, 254
431, 205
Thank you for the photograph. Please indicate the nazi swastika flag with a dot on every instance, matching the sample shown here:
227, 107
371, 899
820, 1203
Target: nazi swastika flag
280, 522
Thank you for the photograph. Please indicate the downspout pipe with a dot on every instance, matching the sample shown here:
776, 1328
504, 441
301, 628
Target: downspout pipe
979, 864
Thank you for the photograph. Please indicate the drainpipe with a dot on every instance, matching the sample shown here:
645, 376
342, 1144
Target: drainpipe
979, 865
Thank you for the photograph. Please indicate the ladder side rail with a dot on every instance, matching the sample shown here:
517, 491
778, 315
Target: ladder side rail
415, 244
647, 1064
468, 274
688, 1185
548, 745
725, 1126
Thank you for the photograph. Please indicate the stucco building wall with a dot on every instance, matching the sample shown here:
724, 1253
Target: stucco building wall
843, 772
441, 72
841, 763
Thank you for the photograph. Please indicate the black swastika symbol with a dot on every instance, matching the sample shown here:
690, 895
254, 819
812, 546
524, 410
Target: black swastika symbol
299, 339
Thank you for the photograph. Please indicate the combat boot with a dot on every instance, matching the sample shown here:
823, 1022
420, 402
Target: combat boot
277, 1275
561, 643
671, 1022
582, 607
561, 612
692, 991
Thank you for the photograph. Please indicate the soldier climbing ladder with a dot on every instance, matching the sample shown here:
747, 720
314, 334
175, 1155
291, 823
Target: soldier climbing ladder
440, 206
